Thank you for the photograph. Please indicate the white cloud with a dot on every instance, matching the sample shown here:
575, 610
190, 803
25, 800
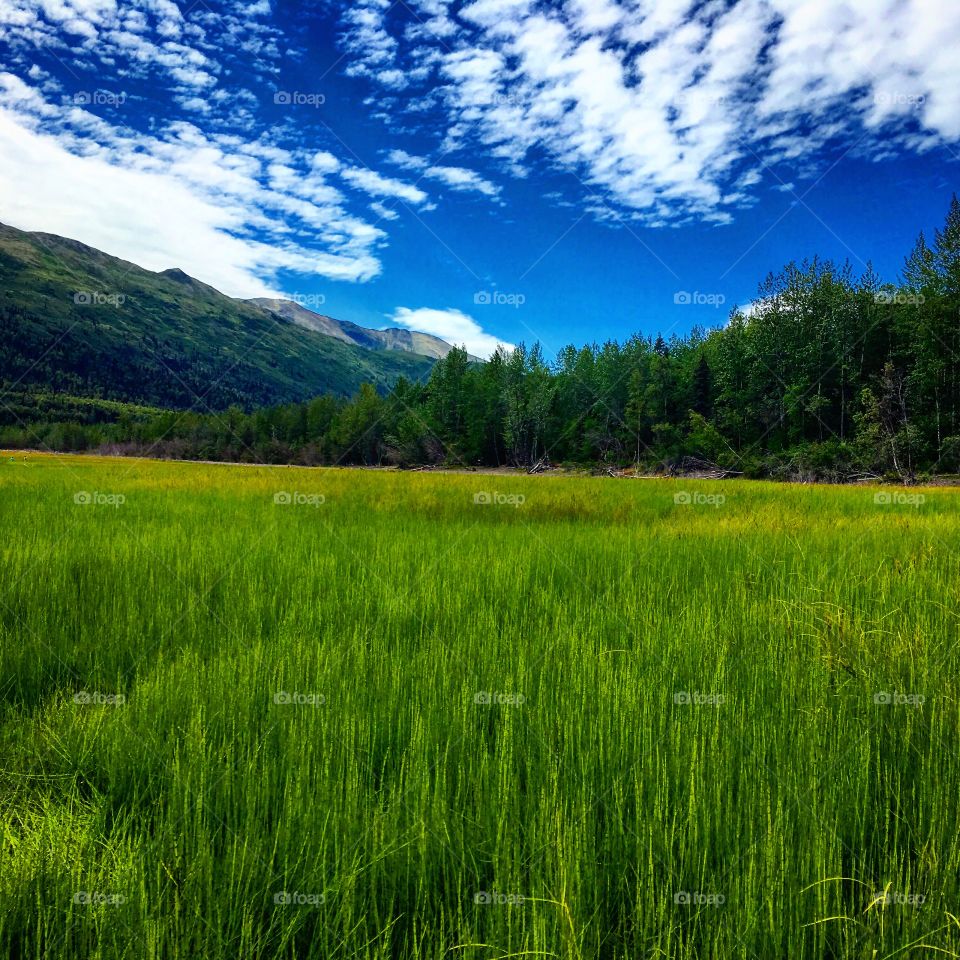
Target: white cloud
230, 212
457, 178
325, 162
384, 213
409, 162
372, 45
671, 108
378, 185
453, 326
145, 39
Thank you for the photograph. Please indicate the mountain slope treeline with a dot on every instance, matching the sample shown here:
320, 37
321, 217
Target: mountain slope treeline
75, 320
830, 375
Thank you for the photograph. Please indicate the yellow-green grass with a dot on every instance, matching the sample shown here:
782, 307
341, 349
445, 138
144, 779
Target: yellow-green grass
156, 801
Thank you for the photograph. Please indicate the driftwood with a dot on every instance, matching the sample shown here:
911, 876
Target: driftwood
688, 467
542, 464
707, 469
624, 474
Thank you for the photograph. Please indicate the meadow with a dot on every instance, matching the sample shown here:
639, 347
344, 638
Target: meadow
283, 712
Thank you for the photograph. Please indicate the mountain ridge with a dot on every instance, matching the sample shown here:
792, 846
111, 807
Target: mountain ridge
74, 319
390, 338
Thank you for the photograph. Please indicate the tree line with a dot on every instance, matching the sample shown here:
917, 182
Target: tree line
829, 374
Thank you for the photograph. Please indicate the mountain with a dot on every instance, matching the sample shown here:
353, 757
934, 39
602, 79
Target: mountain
76, 320
293, 312
393, 338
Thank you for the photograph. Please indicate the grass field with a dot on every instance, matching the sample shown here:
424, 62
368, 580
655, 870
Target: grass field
383, 719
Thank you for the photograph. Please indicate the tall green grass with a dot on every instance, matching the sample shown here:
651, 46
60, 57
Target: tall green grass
597, 723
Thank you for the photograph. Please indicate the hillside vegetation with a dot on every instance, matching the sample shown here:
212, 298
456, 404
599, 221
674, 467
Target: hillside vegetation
74, 320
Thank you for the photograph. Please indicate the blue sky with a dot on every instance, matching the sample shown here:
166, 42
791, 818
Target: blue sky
490, 171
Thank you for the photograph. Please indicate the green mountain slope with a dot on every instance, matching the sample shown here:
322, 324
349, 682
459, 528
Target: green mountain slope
78, 321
